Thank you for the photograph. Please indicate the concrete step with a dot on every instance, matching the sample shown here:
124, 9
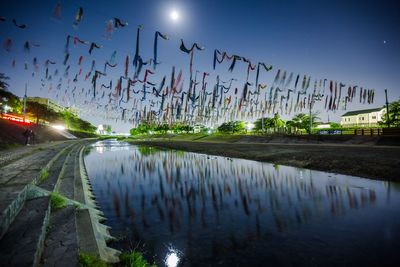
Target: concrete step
12, 198
10, 155
56, 170
70, 168
26, 170
22, 245
17, 176
61, 244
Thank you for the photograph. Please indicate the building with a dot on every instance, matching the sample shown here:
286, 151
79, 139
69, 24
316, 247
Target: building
363, 118
322, 125
52, 105
104, 129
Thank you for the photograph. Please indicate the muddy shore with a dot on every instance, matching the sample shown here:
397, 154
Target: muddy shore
375, 162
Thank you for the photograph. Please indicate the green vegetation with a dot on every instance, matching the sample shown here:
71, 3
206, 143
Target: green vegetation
302, 121
394, 114
232, 127
127, 259
8, 101
43, 113
275, 125
269, 124
108, 129
134, 259
147, 150
40, 112
75, 123
90, 260
43, 175
57, 201
149, 128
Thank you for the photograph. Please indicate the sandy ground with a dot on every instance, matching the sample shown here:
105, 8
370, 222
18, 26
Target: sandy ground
369, 161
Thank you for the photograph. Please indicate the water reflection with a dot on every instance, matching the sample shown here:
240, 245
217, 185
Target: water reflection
226, 211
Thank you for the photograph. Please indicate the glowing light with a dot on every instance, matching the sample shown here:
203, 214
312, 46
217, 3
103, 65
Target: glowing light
250, 126
172, 259
174, 15
15, 118
58, 127
6, 108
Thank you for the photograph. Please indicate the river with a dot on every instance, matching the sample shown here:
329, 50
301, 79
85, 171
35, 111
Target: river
201, 210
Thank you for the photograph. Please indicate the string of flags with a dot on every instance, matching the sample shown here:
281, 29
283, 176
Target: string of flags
139, 95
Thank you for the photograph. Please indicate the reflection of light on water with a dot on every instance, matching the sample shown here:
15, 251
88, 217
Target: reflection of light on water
172, 258
100, 149
110, 145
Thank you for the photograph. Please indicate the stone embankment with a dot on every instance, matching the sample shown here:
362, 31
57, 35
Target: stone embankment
48, 215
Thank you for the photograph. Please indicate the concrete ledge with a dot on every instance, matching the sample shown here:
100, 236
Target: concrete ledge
99, 231
12, 210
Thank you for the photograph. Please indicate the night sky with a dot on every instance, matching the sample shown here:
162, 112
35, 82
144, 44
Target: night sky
354, 42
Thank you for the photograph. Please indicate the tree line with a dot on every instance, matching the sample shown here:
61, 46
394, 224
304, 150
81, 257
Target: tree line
41, 113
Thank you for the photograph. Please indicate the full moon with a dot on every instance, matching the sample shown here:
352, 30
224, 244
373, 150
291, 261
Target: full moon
174, 15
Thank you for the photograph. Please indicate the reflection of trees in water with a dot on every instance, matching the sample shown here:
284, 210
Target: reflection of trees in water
195, 192
147, 150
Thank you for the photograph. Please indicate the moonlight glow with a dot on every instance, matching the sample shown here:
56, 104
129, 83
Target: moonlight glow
174, 15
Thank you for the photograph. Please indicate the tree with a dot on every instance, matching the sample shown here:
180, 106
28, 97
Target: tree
334, 125
3, 84
8, 99
142, 128
232, 127
108, 129
75, 123
268, 123
394, 114
302, 121
41, 112
277, 121
162, 128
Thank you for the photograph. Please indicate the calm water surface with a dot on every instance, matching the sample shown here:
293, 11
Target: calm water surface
207, 210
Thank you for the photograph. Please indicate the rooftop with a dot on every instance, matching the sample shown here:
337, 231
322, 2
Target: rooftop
363, 111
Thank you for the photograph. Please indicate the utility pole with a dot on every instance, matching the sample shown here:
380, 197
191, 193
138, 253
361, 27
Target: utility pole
26, 89
262, 121
310, 117
387, 110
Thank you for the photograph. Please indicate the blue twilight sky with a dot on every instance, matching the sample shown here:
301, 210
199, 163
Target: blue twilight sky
354, 42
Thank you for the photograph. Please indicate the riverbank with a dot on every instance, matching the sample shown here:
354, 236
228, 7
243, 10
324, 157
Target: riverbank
48, 215
11, 134
361, 157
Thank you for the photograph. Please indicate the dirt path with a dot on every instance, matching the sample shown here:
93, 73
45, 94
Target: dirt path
376, 162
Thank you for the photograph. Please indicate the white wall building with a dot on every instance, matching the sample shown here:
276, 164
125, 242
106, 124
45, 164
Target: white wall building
363, 118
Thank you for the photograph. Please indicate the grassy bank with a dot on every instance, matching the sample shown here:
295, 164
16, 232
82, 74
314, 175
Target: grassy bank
358, 157
288, 139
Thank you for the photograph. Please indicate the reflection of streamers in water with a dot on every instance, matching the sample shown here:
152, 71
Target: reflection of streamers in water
116, 204
177, 194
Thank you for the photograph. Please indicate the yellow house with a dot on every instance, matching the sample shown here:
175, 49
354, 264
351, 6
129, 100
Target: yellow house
362, 118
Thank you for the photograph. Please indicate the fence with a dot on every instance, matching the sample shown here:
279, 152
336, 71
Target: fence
368, 131
377, 131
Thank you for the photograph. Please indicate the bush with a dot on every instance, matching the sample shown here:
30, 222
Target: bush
134, 259
57, 201
232, 127
89, 260
44, 174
